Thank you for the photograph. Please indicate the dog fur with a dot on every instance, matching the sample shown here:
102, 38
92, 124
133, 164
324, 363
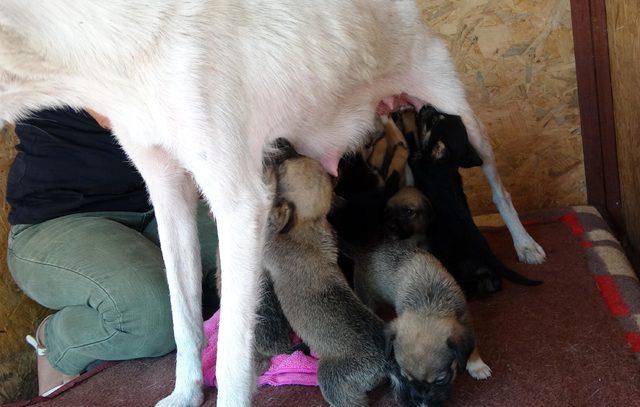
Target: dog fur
194, 91
453, 236
407, 214
272, 332
301, 258
366, 181
432, 335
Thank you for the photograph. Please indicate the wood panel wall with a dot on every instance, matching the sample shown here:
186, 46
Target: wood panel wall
516, 59
623, 21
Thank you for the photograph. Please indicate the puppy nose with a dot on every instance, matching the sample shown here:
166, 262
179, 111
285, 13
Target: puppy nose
391, 228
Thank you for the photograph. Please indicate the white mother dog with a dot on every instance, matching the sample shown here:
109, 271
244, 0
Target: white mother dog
195, 89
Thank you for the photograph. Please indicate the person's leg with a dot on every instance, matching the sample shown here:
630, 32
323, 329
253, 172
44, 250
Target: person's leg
106, 280
208, 235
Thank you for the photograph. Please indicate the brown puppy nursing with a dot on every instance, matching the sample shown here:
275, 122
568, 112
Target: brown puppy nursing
432, 335
300, 257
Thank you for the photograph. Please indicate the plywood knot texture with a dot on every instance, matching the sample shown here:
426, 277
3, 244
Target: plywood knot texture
517, 62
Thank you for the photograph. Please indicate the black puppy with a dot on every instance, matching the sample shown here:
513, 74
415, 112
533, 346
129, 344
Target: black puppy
367, 180
359, 203
443, 147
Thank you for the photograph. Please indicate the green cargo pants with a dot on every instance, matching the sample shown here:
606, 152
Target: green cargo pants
103, 273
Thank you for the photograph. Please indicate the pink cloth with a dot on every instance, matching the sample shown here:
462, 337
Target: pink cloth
294, 369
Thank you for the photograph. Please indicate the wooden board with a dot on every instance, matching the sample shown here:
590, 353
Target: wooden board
516, 59
624, 51
596, 107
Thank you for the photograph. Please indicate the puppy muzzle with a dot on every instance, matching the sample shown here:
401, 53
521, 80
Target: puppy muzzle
396, 230
420, 394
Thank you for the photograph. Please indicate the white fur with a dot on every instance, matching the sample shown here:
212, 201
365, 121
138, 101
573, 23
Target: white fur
194, 90
478, 369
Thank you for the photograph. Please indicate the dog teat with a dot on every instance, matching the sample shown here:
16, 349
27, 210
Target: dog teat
330, 162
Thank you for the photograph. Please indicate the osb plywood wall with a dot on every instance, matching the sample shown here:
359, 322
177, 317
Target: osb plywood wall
517, 62
624, 50
516, 59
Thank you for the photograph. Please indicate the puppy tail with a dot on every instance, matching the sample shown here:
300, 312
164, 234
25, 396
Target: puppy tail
513, 276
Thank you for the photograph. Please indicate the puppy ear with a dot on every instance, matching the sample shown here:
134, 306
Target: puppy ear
280, 151
462, 342
463, 153
470, 158
281, 217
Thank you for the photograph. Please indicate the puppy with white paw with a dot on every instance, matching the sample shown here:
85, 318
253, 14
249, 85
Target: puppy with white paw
431, 337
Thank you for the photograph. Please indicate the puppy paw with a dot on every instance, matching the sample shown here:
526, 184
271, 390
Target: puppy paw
192, 398
530, 252
478, 369
488, 282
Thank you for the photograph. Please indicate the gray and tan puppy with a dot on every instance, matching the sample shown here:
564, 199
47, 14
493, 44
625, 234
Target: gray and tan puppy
407, 214
431, 336
301, 258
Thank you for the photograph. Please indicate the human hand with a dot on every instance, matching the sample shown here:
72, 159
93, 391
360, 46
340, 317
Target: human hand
102, 120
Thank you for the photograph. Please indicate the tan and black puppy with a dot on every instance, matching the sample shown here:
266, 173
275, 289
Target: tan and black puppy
301, 258
431, 337
407, 214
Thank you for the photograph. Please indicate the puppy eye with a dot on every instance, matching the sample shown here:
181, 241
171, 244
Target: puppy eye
442, 378
409, 212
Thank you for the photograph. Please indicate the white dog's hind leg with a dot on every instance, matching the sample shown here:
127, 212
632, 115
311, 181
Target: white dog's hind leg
528, 250
175, 197
434, 80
